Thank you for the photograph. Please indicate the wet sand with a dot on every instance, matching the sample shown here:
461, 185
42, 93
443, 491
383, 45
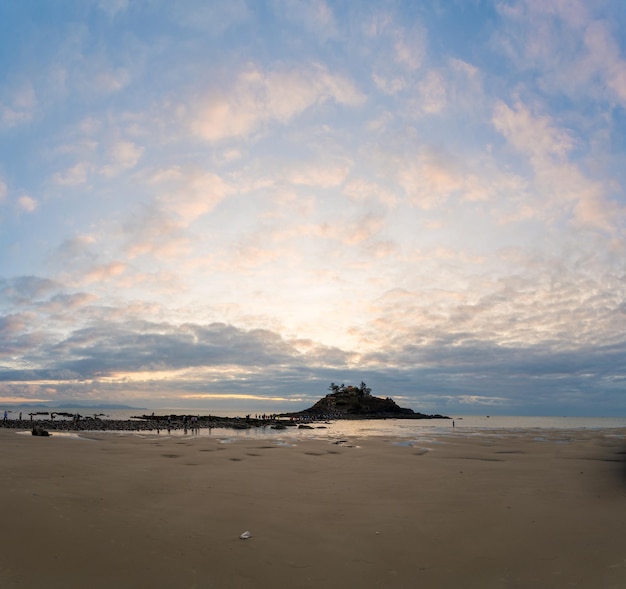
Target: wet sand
504, 510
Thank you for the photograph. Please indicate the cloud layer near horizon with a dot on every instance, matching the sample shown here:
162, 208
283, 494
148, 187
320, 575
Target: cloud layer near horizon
252, 200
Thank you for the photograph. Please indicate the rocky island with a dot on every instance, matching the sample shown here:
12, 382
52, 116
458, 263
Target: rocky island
350, 402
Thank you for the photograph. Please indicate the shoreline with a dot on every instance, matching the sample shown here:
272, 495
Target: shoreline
477, 512
261, 429
142, 424
184, 422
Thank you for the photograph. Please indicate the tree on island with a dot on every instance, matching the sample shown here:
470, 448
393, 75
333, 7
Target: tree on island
361, 391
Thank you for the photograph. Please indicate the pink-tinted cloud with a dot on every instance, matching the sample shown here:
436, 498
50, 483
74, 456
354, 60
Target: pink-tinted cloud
260, 97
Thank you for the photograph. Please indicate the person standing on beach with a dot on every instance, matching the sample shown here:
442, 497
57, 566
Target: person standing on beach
6, 416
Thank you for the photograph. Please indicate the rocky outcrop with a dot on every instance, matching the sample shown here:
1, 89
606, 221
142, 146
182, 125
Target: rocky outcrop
151, 423
350, 402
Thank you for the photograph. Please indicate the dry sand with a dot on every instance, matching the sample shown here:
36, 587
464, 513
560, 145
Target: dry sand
507, 510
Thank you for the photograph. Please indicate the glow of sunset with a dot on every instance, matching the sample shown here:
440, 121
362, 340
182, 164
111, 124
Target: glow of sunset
250, 200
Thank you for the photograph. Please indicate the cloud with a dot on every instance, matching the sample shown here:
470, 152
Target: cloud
109, 349
12, 324
536, 136
325, 176
432, 90
410, 46
95, 75
574, 52
559, 181
474, 364
64, 303
20, 105
97, 155
431, 178
390, 85
190, 193
27, 288
80, 262
111, 81
546, 305
377, 24
604, 54
398, 51
123, 155
363, 230
73, 176
113, 7
259, 98
360, 189
75, 247
481, 400
27, 203
152, 231
536, 36
314, 16
211, 19
105, 272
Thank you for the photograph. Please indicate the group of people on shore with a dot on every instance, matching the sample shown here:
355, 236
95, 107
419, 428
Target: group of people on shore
190, 422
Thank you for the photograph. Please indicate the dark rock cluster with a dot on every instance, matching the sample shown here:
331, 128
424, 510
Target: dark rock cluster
350, 402
145, 423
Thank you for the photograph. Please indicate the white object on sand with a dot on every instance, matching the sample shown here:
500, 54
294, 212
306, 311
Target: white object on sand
245, 535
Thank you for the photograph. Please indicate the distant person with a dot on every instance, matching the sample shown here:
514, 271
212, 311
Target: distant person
6, 415
453, 424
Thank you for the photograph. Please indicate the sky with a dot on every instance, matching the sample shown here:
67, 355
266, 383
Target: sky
235, 204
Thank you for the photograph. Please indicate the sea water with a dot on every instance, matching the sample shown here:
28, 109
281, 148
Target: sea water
462, 425
362, 428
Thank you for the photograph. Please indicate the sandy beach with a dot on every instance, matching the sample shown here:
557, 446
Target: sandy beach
504, 510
